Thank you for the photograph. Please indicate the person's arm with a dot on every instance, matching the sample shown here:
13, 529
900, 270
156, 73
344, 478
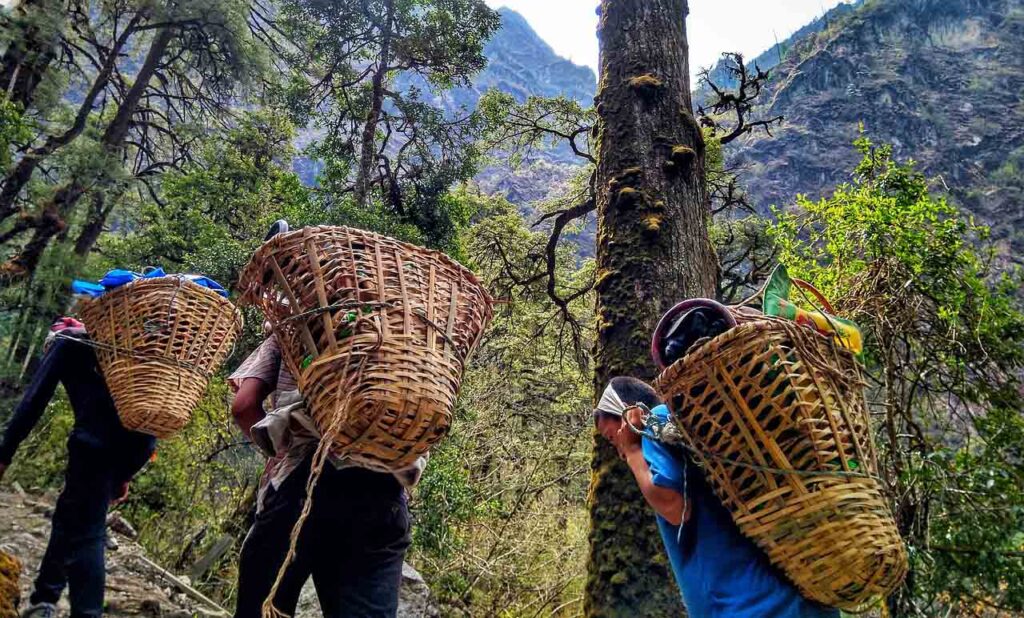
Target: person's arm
33, 403
247, 408
667, 502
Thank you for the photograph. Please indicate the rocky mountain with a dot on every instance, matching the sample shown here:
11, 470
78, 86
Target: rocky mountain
520, 63
774, 56
523, 65
941, 80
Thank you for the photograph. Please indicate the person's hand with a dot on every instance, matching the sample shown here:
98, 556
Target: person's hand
121, 494
3, 468
628, 441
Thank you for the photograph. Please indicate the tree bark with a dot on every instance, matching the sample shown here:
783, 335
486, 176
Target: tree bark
66, 198
653, 250
94, 223
368, 145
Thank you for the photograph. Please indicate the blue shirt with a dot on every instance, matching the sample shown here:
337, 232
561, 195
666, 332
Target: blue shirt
720, 573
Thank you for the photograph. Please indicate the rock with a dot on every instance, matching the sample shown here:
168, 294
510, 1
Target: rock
112, 544
414, 598
132, 588
120, 525
150, 607
10, 592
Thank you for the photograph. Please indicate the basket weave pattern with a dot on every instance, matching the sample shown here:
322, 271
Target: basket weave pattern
408, 317
777, 416
158, 341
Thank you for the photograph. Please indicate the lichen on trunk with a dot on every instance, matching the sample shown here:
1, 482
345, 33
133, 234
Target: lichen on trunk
652, 251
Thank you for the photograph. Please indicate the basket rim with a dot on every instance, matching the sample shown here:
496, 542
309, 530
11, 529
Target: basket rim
158, 282
768, 323
247, 281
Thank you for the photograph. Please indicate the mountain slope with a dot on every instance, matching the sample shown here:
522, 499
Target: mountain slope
774, 56
941, 80
520, 63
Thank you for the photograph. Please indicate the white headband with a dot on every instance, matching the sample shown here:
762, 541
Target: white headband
610, 402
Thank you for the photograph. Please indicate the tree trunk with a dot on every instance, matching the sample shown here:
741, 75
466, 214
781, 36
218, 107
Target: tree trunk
652, 251
368, 146
94, 223
23, 264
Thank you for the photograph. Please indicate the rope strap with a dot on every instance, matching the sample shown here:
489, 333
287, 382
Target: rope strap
137, 355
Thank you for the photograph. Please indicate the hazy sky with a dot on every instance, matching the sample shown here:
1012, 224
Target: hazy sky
714, 26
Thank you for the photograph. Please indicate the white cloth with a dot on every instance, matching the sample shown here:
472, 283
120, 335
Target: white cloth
287, 434
610, 402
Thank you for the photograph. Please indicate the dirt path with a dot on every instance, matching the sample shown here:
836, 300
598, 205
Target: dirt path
134, 587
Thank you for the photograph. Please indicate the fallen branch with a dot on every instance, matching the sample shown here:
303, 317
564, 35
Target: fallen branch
182, 586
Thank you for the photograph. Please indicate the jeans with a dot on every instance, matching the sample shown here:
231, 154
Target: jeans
74, 554
353, 544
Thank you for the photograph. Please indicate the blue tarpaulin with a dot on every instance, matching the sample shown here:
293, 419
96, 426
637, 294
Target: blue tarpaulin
118, 277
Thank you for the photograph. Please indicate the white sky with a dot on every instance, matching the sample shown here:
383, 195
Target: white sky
714, 26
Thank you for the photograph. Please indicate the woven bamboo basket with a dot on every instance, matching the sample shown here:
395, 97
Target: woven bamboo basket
776, 414
158, 342
376, 331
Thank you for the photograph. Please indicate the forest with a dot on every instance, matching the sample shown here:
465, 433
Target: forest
149, 133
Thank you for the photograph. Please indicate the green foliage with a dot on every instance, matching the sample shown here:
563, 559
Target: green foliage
199, 479
519, 129
14, 130
43, 456
500, 514
364, 76
213, 214
945, 336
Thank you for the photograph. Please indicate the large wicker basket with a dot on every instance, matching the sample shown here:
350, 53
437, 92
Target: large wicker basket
776, 414
158, 341
376, 331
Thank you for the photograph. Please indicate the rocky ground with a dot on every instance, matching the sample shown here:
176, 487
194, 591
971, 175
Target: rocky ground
135, 585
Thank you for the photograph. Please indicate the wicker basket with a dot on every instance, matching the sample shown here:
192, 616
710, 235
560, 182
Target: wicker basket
776, 414
407, 317
158, 341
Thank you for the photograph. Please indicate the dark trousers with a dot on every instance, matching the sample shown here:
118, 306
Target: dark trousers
353, 544
74, 554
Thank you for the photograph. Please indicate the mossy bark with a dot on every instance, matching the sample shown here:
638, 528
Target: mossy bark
652, 251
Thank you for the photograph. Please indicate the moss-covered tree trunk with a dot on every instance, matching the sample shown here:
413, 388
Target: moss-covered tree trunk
652, 251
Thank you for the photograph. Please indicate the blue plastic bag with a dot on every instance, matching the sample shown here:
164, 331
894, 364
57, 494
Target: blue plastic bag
87, 288
118, 277
206, 282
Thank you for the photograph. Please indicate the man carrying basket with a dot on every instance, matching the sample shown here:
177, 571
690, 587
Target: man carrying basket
354, 540
720, 573
103, 457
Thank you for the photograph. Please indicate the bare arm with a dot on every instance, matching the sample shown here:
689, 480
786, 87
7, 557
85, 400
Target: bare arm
668, 503
247, 408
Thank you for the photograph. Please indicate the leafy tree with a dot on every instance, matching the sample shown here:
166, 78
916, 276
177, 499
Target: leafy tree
195, 55
945, 332
380, 140
211, 215
31, 33
501, 512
